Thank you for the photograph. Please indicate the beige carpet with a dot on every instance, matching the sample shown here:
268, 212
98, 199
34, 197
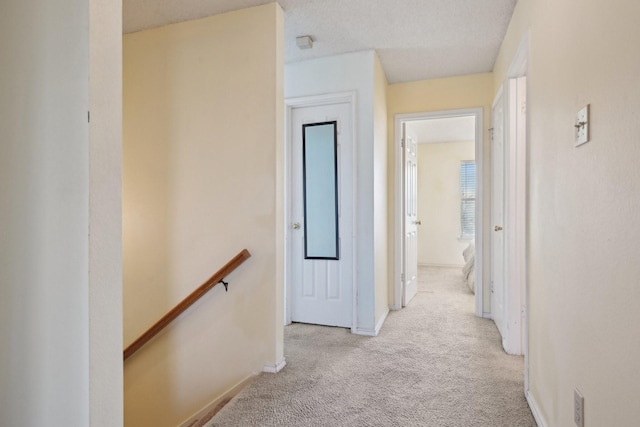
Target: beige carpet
434, 364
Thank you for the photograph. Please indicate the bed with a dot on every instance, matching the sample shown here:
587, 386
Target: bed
469, 269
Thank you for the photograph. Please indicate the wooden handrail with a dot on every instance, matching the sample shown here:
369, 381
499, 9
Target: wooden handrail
186, 303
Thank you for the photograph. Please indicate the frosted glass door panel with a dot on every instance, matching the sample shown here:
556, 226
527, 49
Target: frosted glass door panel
320, 190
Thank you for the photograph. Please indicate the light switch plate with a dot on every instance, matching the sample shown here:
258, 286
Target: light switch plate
582, 126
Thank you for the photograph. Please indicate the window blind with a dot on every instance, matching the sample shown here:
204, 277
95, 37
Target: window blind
468, 198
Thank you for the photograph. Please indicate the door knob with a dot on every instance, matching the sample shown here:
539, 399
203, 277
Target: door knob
497, 228
418, 222
296, 226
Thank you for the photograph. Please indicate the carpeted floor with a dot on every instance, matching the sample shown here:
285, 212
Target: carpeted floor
434, 364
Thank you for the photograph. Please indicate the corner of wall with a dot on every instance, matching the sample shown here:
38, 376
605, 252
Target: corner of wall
381, 196
280, 186
105, 214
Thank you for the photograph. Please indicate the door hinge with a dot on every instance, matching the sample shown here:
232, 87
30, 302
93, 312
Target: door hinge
401, 142
402, 277
88, 116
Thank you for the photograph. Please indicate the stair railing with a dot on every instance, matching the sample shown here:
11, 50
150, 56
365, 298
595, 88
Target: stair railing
214, 280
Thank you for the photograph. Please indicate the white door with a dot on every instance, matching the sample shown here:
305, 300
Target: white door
321, 213
410, 208
497, 217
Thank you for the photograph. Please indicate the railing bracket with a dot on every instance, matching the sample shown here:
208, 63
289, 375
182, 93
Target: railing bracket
226, 285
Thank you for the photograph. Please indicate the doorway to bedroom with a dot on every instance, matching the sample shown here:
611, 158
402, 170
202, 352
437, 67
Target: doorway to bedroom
440, 209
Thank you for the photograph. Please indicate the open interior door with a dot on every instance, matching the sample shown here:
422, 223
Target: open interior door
410, 211
497, 217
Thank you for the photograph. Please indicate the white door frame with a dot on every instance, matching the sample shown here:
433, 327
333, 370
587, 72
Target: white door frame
515, 195
517, 205
290, 105
500, 99
399, 190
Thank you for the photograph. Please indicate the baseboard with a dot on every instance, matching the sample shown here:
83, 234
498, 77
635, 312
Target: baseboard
486, 315
206, 413
274, 369
368, 332
198, 418
420, 264
537, 415
381, 321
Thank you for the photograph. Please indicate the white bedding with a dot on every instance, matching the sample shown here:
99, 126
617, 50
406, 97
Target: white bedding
469, 269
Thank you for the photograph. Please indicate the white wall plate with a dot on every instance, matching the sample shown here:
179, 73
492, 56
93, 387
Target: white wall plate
582, 126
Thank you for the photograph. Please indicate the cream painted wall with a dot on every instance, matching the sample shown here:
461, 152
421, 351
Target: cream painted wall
54, 298
439, 202
346, 73
583, 207
202, 180
380, 197
437, 95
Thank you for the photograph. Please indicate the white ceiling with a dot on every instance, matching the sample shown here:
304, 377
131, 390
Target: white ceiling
455, 129
415, 39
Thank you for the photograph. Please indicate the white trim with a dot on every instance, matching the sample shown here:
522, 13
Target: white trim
316, 100
486, 315
500, 98
381, 321
354, 225
515, 195
312, 101
520, 63
518, 204
368, 332
428, 264
513, 344
274, 369
515, 216
537, 414
399, 217
515, 204
399, 224
496, 98
287, 210
230, 393
519, 68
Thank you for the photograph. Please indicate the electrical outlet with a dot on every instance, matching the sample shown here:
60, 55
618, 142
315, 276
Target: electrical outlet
578, 408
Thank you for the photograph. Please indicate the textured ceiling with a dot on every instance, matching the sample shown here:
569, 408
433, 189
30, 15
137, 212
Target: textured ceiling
415, 39
455, 129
